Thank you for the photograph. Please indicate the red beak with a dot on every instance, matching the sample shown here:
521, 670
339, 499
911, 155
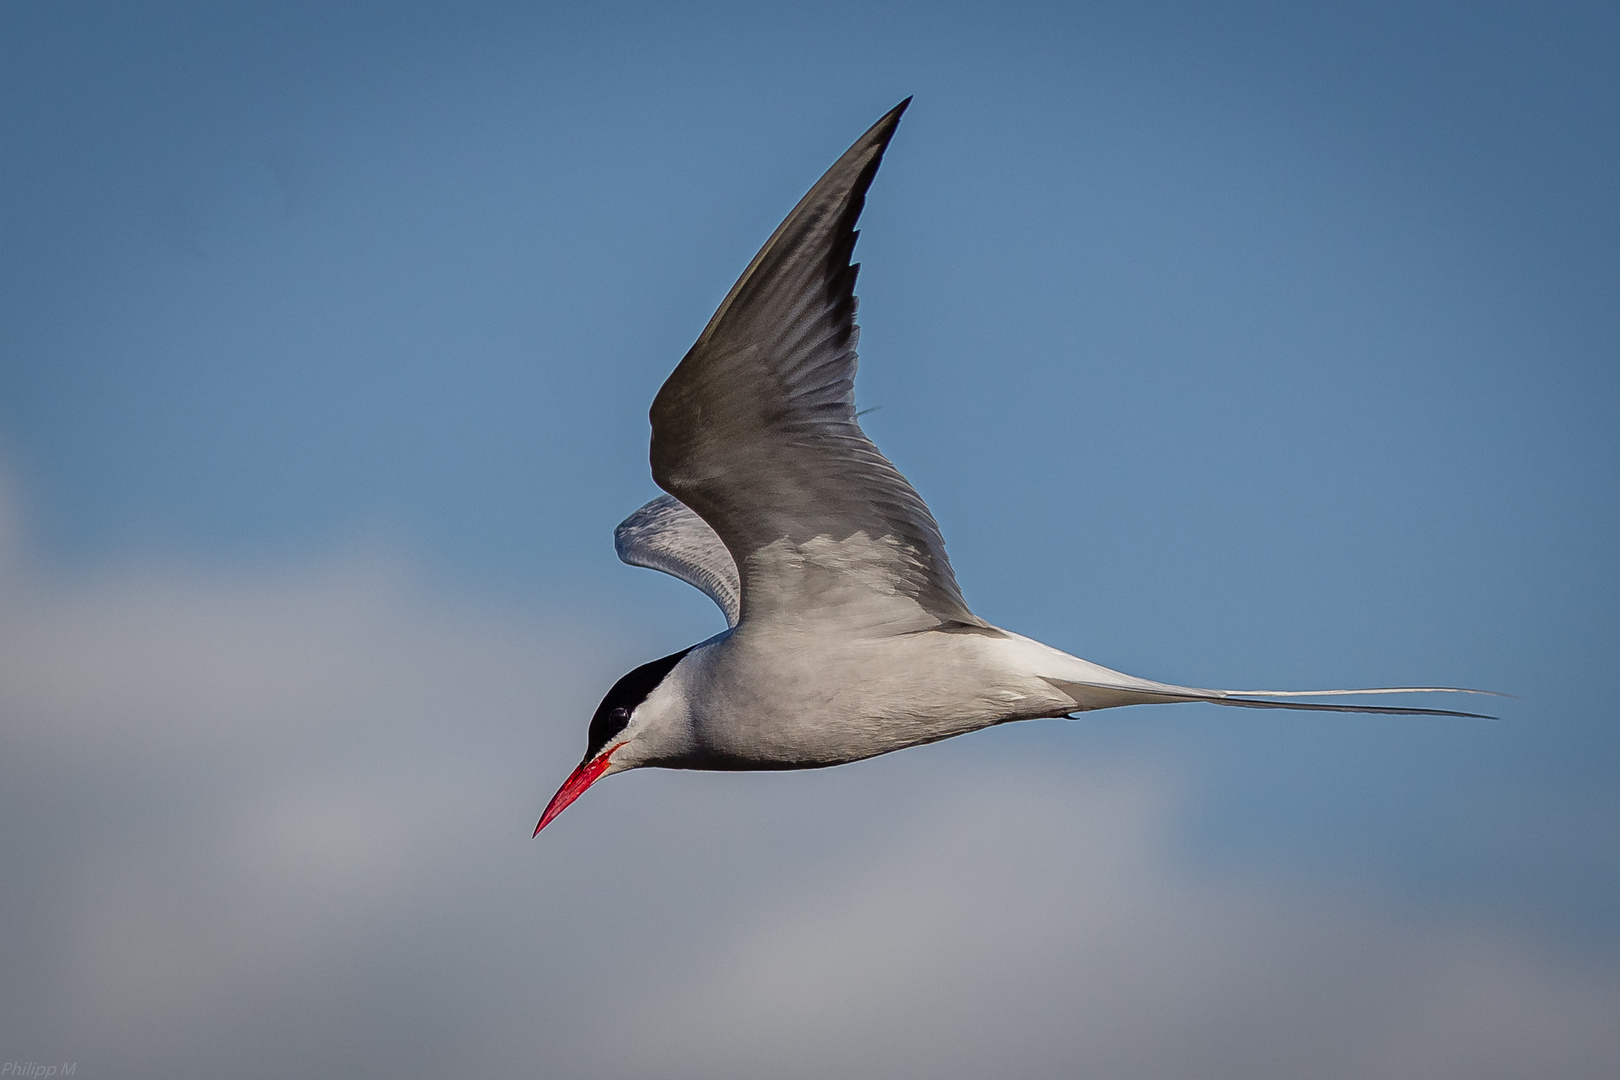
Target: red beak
578, 780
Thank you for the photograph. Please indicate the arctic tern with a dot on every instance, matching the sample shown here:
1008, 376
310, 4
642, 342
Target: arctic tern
847, 636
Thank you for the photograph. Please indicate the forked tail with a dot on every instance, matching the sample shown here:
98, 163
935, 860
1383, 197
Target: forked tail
1129, 691
1092, 686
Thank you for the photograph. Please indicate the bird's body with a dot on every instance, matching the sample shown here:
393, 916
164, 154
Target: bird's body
785, 696
848, 635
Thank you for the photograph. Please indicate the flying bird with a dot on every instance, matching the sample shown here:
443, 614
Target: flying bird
847, 635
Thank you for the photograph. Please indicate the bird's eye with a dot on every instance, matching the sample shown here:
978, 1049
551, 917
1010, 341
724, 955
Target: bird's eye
621, 714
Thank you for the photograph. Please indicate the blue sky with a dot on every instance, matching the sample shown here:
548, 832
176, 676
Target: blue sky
1240, 345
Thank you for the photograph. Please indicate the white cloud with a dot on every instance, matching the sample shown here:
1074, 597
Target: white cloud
276, 823
1051, 932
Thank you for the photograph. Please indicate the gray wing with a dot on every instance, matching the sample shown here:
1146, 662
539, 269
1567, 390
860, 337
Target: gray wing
756, 432
665, 535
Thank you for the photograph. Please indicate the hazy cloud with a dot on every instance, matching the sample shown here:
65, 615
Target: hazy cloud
276, 822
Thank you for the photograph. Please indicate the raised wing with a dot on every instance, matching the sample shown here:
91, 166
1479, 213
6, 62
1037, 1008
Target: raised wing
756, 432
665, 535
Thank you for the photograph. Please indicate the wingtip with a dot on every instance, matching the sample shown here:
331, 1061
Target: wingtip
883, 130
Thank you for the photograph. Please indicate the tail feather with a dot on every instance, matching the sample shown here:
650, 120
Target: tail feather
1368, 690
1097, 695
1091, 686
1304, 706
